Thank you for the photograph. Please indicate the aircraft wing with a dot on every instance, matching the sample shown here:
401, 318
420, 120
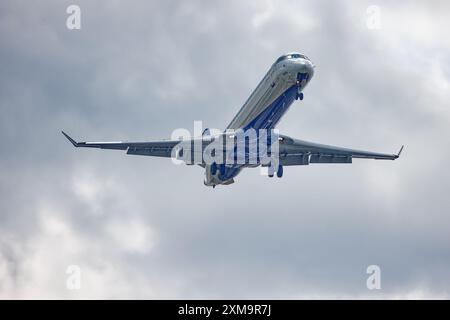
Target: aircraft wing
160, 148
292, 151
299, 152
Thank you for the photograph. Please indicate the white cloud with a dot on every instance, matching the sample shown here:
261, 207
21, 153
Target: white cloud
132, 236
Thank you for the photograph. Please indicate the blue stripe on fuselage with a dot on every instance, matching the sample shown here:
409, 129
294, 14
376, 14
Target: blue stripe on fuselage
273, 113
265, 120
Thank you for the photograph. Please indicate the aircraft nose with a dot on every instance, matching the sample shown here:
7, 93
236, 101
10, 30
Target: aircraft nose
306, 66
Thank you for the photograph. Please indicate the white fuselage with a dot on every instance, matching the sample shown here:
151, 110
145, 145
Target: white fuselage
281, 76
281, 85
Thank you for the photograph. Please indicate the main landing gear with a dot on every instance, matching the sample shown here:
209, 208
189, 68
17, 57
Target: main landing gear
299, 96
280, 171
272, 171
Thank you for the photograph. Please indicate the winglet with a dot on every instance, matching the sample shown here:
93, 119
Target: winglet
75, 144
400, 151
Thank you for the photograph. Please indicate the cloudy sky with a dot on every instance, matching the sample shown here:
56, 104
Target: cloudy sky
140, 227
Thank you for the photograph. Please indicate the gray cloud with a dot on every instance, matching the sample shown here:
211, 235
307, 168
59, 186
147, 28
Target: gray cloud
143, 228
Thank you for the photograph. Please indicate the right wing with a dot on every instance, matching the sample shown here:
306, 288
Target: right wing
160, 148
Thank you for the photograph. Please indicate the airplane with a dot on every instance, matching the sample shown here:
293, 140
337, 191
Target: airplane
281, 86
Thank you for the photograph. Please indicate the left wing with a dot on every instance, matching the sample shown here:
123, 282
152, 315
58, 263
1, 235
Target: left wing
299, 152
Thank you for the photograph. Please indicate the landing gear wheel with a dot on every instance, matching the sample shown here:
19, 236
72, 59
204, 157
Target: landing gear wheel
300, 95
270, 171
280, 171
214, 169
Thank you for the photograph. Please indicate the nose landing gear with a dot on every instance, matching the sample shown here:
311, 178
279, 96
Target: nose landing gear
300, 78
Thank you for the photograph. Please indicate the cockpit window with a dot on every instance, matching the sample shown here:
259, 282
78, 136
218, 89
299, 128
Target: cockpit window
292, 56
281, 59
298, 55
